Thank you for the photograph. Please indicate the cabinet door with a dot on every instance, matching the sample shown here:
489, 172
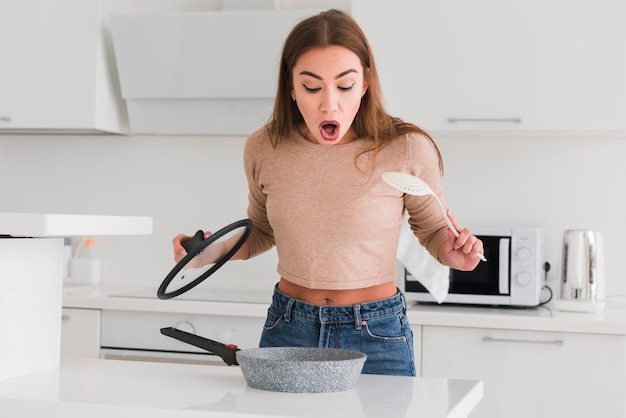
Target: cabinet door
80, 333
532, 374
501, 65
56, 73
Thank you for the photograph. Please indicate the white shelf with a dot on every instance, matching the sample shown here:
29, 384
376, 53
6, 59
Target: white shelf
59, 225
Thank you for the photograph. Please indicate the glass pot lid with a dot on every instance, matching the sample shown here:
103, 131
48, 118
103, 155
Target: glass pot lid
204, 257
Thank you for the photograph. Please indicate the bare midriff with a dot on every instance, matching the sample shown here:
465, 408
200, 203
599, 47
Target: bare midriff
337, 297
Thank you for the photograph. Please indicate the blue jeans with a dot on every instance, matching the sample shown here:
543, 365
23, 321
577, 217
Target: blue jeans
379, 329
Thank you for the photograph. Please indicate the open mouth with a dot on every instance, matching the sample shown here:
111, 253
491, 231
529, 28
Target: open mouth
329, 130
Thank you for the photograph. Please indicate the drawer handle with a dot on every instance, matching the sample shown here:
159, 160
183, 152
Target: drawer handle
511, 120
5, 118
519, 340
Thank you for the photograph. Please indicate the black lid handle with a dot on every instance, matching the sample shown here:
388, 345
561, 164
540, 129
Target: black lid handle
194, 241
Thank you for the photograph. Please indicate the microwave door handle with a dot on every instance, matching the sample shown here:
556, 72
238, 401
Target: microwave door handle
503, 273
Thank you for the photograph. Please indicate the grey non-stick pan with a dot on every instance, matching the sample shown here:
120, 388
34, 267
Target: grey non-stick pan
285, 369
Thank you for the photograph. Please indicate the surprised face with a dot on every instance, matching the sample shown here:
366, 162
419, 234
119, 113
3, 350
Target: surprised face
328, 87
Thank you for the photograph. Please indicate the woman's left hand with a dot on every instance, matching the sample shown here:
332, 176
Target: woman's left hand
460, 253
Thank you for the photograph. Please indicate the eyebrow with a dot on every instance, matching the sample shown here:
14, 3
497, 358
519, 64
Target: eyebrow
337, 77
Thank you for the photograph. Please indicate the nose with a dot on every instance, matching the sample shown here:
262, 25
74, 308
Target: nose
329, 102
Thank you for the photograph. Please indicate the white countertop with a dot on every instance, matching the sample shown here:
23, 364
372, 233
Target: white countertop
612, 320
107, 388
134, 298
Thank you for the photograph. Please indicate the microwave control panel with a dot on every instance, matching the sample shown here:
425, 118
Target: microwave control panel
526, 265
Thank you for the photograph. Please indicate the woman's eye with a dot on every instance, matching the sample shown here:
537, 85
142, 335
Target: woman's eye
316, 89
311, 90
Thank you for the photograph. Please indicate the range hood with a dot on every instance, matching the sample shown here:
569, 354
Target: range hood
200, 73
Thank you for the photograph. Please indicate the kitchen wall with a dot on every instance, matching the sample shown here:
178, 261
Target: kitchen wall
186, 183
555, 183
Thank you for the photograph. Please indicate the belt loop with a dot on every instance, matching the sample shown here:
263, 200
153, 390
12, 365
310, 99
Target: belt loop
357, 317
288, 308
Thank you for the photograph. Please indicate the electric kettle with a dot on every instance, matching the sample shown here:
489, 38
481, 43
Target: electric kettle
582, 271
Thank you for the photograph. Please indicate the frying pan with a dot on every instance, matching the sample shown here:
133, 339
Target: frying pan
285, 369
279, 369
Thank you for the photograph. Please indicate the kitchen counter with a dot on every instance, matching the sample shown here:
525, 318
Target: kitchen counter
105, 388
196, 301
611, 321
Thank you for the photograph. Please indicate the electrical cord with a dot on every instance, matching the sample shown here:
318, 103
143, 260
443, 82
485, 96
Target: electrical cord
546, 269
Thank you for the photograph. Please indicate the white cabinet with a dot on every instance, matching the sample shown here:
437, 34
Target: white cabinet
532, 374
56, 73
80, 333
30, 305
500, 66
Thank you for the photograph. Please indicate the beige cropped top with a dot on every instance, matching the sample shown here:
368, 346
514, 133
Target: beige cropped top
336, 226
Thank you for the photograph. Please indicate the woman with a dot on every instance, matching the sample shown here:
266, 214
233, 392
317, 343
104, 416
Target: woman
316, 193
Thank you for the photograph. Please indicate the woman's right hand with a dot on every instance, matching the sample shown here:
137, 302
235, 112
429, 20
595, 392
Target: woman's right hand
177, 244
180, 252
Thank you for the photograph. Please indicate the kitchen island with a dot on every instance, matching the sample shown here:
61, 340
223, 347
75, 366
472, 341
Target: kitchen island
512, 351
98, 388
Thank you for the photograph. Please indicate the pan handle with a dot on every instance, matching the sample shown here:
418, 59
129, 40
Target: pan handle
225, 351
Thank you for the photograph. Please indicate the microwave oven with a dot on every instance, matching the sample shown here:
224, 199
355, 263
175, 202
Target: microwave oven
511, 276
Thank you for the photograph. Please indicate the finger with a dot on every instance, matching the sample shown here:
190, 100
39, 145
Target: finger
474, 247
180, 238
453, 220
177, 244
463, 240
480, 250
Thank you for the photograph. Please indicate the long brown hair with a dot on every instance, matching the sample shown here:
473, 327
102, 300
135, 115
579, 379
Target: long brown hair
336, 28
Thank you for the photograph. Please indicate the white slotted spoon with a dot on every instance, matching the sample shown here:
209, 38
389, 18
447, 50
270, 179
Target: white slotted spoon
409, 184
